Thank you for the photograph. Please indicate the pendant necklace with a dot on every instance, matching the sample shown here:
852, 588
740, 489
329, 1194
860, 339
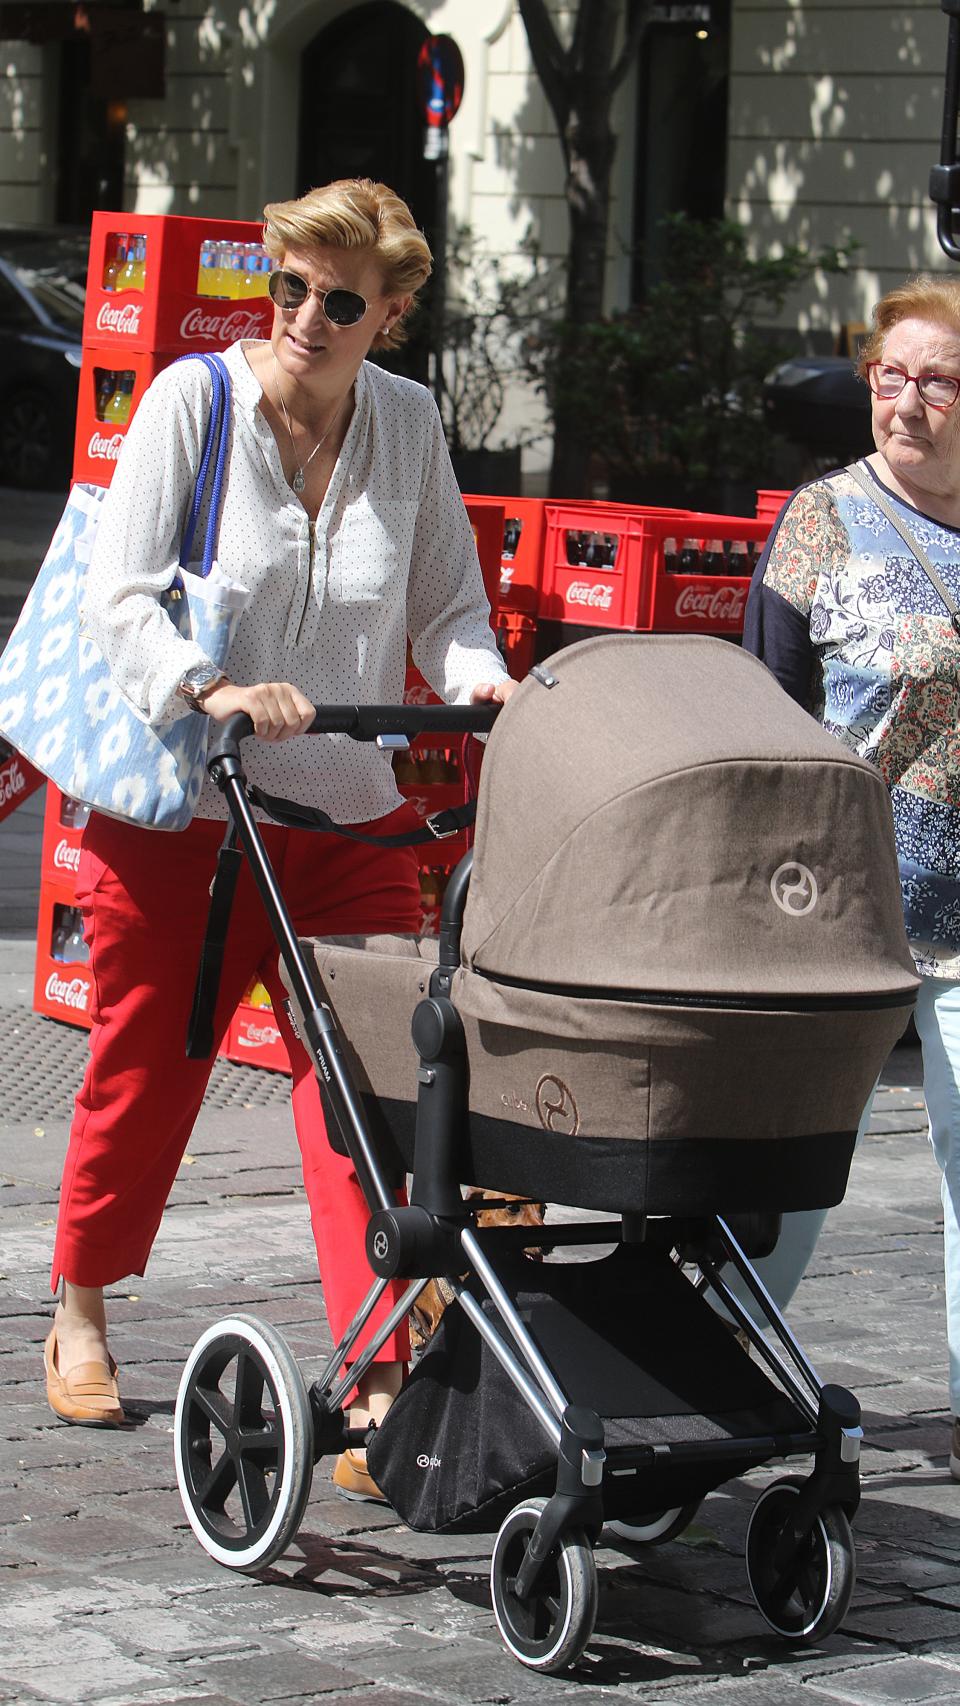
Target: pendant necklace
299, 479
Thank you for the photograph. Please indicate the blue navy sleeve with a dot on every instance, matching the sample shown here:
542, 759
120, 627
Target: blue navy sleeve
777, 633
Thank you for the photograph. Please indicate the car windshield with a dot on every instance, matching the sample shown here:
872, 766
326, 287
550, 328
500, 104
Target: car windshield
56, 279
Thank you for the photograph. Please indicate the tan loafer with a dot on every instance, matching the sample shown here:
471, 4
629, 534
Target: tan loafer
88, 1395
353, 1480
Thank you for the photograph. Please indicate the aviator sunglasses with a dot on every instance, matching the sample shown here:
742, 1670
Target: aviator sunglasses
341, 307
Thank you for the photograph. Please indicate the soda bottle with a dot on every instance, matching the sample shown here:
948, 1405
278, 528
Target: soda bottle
574, 547
75, 951
689, 557
140, 262
61, 931
250, 278
609, 553
115, 255
738, 562
258, 995
670, 563
512, 529
237, 267
222, 270
714, 562
127, 275
207, 269
106, 381
117, 411
74, 814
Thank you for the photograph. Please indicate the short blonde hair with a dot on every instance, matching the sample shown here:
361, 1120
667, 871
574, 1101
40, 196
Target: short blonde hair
927, 296
356, 213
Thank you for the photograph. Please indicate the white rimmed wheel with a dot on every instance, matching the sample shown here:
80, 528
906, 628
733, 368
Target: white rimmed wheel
655, 1528
548, 1631
243, 1439
803, 1592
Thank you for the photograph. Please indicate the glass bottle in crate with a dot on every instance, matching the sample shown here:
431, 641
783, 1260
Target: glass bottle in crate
237, 267
75, 950
140, 262
738, 560
207, 268
114, 258
61, 932
127, 276
714, 560
224, 269
117, 411
258, 995
106, 383
670, 560
74, 814
689, 563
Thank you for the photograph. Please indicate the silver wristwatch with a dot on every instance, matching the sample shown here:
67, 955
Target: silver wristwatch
197, 683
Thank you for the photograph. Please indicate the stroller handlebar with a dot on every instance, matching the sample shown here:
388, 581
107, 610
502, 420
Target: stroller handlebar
364, 722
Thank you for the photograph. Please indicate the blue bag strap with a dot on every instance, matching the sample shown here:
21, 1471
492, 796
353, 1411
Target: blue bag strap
214, 449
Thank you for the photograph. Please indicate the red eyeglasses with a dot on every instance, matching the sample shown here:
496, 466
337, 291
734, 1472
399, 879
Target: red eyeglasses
886, 380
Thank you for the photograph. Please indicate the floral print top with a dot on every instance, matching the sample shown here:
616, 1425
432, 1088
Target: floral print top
853, 628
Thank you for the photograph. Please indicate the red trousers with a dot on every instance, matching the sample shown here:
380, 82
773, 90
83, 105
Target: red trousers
144, 897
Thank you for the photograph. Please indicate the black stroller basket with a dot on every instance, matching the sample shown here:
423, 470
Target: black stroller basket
556, 1397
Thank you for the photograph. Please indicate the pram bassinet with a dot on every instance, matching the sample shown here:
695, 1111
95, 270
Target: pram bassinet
668, 989
683, 960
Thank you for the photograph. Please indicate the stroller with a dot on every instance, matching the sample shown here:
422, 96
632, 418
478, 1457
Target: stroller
667, 976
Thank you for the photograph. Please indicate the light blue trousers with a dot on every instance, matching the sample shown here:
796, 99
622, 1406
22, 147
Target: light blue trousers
938, 1026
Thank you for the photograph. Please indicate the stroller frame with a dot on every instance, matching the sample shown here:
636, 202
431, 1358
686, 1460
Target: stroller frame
800, 1556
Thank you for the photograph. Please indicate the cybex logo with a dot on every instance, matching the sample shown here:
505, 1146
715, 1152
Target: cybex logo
794, 888
424, 1461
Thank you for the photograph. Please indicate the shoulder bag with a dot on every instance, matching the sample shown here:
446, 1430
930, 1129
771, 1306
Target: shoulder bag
59, 704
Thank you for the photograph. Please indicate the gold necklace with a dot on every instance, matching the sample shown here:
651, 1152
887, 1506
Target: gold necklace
299, 479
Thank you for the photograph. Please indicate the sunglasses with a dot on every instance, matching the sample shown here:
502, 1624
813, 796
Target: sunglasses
341, 307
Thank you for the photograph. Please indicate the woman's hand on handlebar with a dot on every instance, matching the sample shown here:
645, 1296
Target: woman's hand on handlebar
493, 692
277, 709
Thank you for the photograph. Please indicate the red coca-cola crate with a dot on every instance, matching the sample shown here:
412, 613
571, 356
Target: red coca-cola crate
98, 443
61, 991
254, 1039
168, 313
18, 780
521, 550
769, 505
63, 825
622, 581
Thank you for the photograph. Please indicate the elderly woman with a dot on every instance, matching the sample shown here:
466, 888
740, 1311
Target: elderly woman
847, 616
342, 518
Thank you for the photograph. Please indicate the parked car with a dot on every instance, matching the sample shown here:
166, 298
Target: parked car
822, 405
43, 272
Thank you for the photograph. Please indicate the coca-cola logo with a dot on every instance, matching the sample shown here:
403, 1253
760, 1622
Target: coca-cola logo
105, 449
12, 782
258, 1036
67, 992
199, 325
65, 857
125, 320
713, 604
597, 597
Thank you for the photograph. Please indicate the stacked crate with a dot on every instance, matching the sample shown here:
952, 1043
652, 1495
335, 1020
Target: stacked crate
137, 319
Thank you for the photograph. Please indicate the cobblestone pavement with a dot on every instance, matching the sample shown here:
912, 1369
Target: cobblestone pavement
107, 1598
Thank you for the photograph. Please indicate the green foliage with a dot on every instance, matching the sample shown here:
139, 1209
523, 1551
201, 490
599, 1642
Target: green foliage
673, 388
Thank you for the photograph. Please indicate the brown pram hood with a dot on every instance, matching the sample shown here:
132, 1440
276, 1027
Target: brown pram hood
666, 819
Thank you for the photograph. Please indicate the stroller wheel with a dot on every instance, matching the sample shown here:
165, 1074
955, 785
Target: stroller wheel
243, 1440
803, 1596
548, 1631
655, 1528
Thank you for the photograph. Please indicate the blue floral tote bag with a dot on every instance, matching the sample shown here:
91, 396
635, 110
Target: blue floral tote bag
59, 704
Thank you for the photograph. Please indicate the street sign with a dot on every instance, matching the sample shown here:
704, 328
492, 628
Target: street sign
439, 80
